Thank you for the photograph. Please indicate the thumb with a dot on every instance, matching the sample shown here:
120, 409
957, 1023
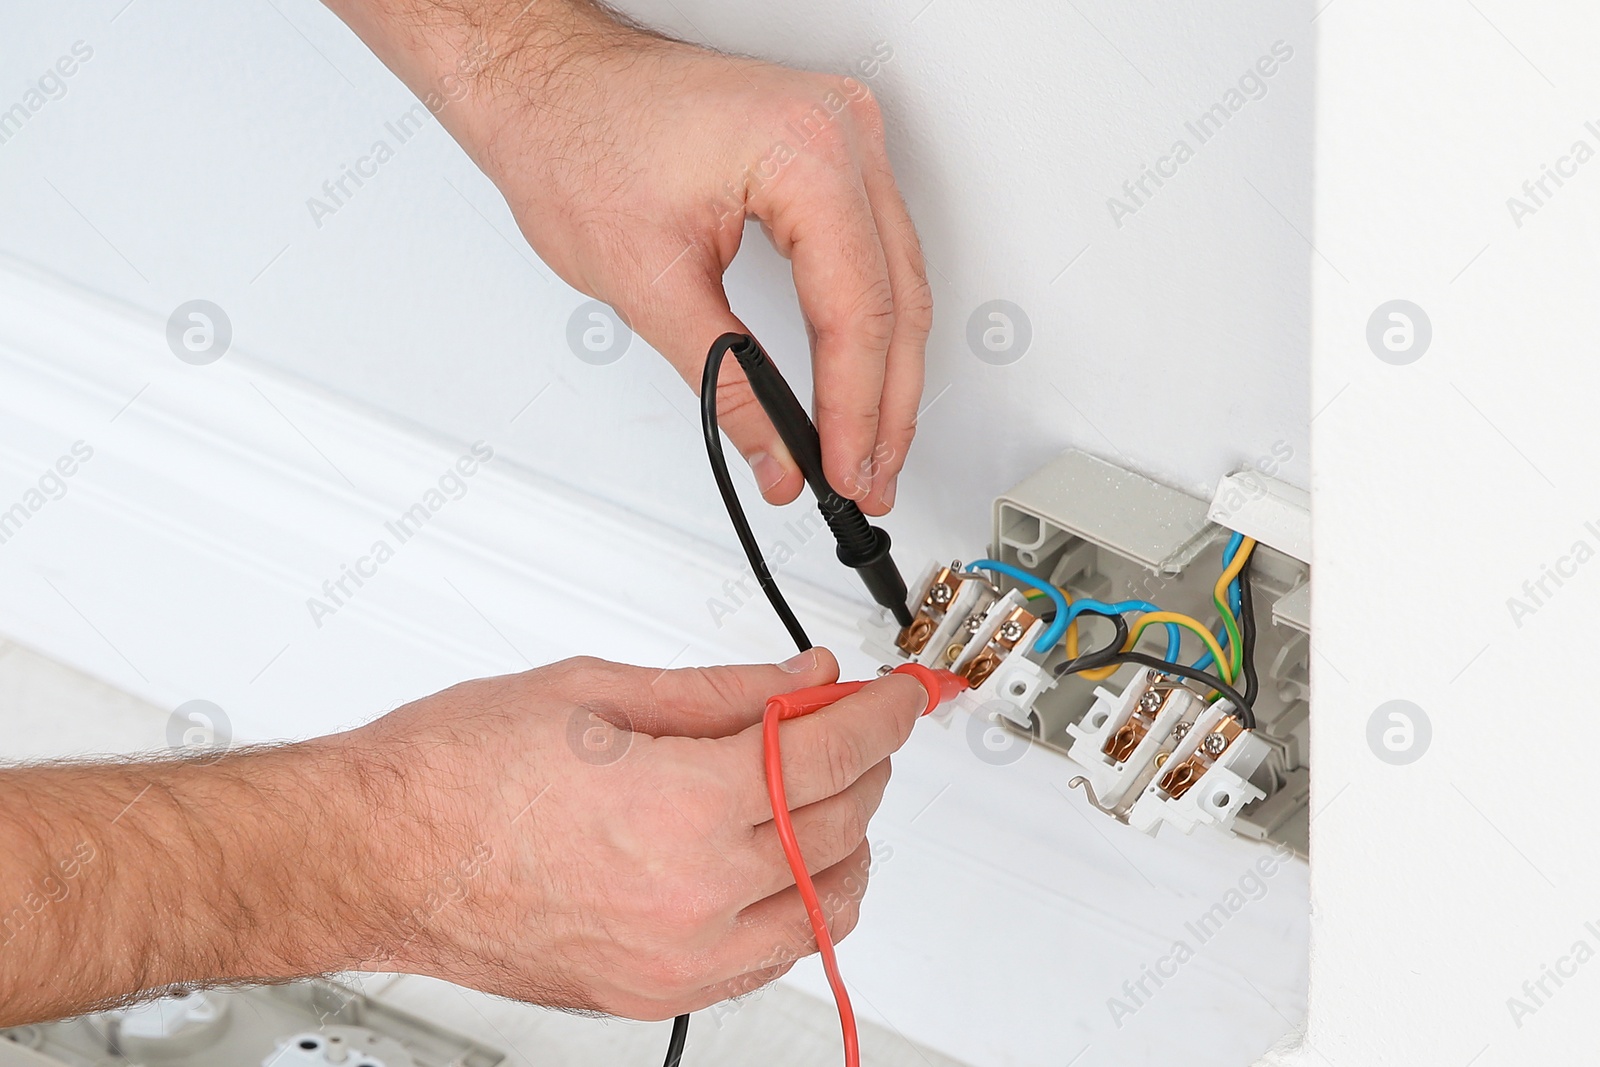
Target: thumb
721, 701
684, 321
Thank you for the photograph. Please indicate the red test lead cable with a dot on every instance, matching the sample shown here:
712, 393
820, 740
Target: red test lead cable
861, 546
941, 686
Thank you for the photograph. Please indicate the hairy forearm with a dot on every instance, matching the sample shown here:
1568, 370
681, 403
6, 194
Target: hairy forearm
121, 878
477, 63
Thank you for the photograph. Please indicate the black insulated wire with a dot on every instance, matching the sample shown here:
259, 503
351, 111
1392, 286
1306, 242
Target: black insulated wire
1099, 657
1241, 707
680, 1035
730, 496
1247, 632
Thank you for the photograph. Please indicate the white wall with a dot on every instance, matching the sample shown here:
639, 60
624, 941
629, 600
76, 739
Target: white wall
195, 135
177, 165
1441, 488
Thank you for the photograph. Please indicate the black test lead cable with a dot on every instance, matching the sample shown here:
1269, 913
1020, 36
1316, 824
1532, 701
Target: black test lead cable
752, 552
730, 496
862, 546
680, 1034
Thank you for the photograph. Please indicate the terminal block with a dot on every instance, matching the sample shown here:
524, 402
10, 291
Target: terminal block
1148, 748
1158, 753
964, 623
1125, 738
950, 599
1206, 777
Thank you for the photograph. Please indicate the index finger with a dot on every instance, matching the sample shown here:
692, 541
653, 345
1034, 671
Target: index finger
826, 751
825, 225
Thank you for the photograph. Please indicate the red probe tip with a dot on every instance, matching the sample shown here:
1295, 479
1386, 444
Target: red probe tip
941, 685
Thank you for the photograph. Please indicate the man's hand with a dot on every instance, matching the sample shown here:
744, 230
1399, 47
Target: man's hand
635, 865
586, 835
631, 163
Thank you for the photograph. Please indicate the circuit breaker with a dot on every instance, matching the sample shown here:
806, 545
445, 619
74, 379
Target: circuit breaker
1148, 748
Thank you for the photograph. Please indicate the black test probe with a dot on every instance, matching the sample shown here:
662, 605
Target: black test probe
862, 546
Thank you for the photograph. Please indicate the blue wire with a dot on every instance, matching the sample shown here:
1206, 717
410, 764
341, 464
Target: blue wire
1234, 595
1174, 634
1048, 639
1234, 599
1065, 612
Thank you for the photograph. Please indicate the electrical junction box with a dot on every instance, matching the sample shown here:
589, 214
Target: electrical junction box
1145, 747
303, 1024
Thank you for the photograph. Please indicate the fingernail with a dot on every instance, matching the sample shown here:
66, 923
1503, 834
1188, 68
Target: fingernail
768, 471
888, 491
799, 663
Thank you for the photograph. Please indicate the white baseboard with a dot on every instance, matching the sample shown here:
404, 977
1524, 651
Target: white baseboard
179, 563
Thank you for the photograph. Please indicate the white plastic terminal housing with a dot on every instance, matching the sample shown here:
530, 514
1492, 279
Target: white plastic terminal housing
1119, 739
977, 632
967, 598
1011, 687
1221, 790
1158, 753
